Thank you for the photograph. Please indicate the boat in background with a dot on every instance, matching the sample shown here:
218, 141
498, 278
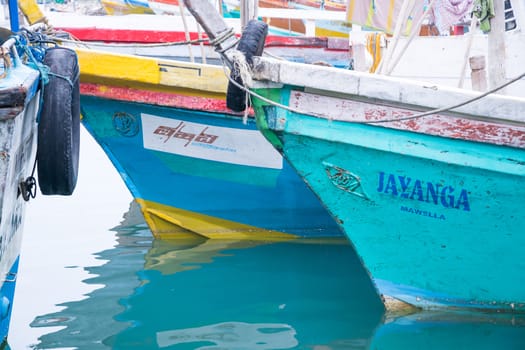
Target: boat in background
126, 7
35, 132
173, 7
426, 180
168, 38
333, 5
292, 17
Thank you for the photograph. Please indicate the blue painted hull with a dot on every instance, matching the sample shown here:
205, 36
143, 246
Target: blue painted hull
237, 189
436, 220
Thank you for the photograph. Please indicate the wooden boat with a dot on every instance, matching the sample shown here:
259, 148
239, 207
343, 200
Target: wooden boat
304, 19
167, 37
191, 163
32, 123
214, 184
424, 179
284, 17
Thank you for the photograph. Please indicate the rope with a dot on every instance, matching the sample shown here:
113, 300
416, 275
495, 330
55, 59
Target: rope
62, 77
414, 116
241, 69
35, 64
227, 34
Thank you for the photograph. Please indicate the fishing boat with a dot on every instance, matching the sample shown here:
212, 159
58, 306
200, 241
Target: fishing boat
192, 163
38, 130
426, 180
196, 167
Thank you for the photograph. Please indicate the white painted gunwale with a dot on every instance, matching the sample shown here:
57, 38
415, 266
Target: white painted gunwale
385, 89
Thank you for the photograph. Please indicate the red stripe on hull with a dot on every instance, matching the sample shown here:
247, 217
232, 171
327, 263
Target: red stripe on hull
206, 104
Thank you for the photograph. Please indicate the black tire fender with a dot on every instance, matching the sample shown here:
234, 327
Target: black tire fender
251, 44
59, 125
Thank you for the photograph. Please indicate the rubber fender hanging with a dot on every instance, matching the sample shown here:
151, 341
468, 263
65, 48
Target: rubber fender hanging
251, 44
59, 126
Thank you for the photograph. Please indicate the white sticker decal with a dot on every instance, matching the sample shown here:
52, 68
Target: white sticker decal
221, 144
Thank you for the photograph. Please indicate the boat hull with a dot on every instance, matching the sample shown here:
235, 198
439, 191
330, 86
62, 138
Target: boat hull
433, 217
206, 174
18, 143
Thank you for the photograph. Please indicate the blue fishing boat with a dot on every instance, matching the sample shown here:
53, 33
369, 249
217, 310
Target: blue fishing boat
193, 165
38, 129
425, 180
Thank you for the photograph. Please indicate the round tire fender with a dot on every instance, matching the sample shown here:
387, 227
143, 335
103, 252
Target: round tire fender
59, 125
251, 44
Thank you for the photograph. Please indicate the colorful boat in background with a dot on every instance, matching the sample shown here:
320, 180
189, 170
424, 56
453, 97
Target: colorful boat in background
283, 17
167, 37
173, 7
305, 19
425, 180
126, 7
38, 129
165, 7
333, 5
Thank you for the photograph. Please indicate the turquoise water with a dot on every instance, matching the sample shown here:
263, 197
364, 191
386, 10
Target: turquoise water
249, 295
92, 277
219, 295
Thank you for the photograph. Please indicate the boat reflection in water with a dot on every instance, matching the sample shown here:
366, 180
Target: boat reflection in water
221, 294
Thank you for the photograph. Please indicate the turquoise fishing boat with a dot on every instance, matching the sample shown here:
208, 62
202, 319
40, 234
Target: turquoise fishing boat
426, 180
35, 132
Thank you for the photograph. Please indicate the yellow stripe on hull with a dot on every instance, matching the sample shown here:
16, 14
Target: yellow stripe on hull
155, 74
167, 222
